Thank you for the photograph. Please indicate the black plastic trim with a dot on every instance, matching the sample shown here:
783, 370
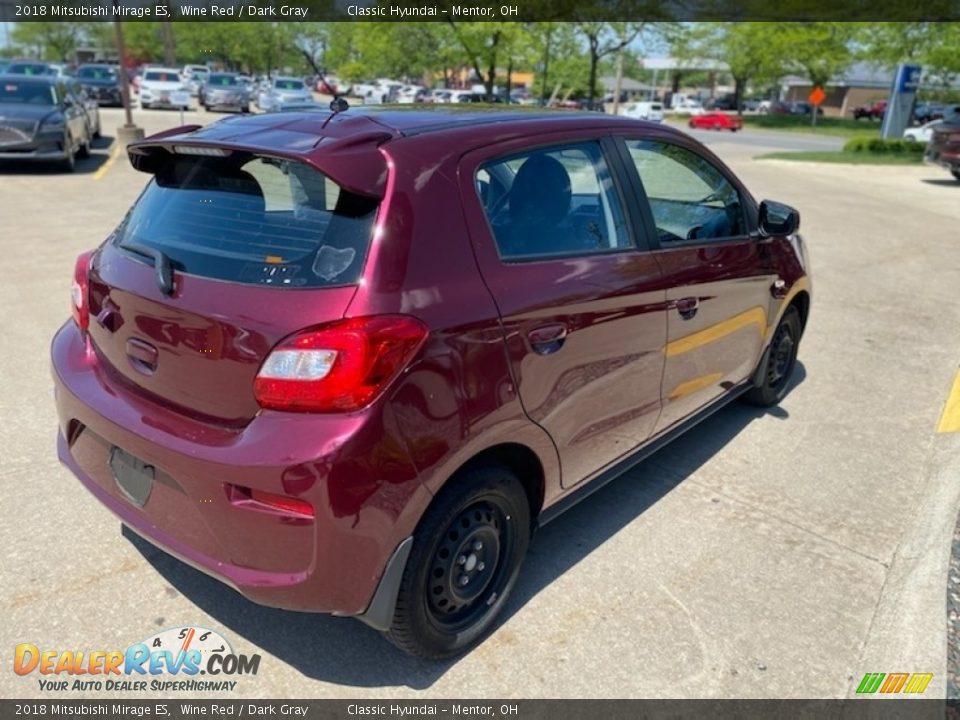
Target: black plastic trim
379, 614
588, 487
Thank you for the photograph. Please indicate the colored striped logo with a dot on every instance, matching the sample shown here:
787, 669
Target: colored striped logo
913, 683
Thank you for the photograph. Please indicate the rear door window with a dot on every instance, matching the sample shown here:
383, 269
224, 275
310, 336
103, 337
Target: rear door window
553, 201
253, 219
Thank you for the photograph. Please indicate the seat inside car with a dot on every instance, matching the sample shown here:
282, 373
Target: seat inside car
539, 210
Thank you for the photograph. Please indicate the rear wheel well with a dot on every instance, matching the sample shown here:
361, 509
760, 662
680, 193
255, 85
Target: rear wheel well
522, 462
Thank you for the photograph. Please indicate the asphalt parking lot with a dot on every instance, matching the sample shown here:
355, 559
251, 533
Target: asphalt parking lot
767, 554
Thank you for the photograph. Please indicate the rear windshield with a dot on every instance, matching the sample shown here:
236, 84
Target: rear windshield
97, 73
33, 93
288, 85
253, 220
161, 76
227, 80
29, 69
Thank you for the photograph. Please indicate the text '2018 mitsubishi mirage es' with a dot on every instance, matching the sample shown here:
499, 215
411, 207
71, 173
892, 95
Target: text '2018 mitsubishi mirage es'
348, 363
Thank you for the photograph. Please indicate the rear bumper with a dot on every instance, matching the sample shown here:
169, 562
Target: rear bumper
363, 507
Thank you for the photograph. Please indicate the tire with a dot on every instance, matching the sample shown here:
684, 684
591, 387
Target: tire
780, 362
144, 105
956, 174
68, 164
478, 529
84, 152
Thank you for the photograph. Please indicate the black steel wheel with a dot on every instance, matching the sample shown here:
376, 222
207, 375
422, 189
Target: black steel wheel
774, 380
465, 560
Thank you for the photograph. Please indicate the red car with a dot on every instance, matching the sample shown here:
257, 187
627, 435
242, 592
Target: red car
350, 364
716, 121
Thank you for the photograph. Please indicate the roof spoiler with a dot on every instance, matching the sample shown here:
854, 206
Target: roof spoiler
353, 162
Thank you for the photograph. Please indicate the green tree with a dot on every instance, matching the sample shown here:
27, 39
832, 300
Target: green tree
747, 49
54, 41
820, 50
484, 45
934, 45
603, 39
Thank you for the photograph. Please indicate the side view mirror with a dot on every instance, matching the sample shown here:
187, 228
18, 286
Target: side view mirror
778, 219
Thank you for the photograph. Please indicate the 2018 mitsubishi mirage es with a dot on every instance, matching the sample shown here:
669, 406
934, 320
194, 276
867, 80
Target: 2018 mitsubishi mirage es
348, 362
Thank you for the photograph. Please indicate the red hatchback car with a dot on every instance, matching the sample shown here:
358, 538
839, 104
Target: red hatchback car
716, 121
349, 363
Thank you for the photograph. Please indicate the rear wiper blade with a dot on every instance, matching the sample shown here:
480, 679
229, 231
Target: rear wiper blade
161, 263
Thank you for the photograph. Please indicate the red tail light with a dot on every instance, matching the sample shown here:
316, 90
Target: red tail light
80, 291
338, 367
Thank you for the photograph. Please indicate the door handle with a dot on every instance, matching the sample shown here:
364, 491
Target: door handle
687, 307
547, 339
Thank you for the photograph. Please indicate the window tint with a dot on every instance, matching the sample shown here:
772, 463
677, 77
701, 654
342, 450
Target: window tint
253, 220
161, 76
689, 197
555, 201
33, 93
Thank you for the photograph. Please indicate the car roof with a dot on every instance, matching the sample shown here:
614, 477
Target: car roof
347, 145
163, 70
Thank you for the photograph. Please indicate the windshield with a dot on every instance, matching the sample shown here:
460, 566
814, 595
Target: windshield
288, 85
29, 69
159, 76
31, 93
253, 220
97, 73
223, 80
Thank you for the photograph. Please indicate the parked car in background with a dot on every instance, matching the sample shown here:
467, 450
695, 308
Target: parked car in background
91, 107
716, 121
944, 146
28, 67
804, 108
163, 88
412, 94
224, 91
383, 352
924, 112
42, 121
194, 76
101, 83
283, 90
724, 102
643, 110
923, 133
752, 105
873, 111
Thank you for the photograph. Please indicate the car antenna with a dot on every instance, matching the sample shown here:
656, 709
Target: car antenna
337, 106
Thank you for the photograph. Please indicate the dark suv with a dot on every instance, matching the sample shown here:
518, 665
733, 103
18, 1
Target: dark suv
349, 364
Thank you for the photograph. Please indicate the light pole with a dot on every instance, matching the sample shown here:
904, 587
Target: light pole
128, 132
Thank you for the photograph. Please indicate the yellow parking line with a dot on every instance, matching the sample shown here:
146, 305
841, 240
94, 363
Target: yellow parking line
102, 170
950, 418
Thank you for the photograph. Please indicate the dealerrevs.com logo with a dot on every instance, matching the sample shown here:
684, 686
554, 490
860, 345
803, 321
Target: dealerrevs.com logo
172, 660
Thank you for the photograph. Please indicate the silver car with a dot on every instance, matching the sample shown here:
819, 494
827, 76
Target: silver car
282, 90
225, 91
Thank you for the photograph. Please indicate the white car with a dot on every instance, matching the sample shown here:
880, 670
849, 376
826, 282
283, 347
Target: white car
412, 94
163, 87
921, 134
283, 90
650, 111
